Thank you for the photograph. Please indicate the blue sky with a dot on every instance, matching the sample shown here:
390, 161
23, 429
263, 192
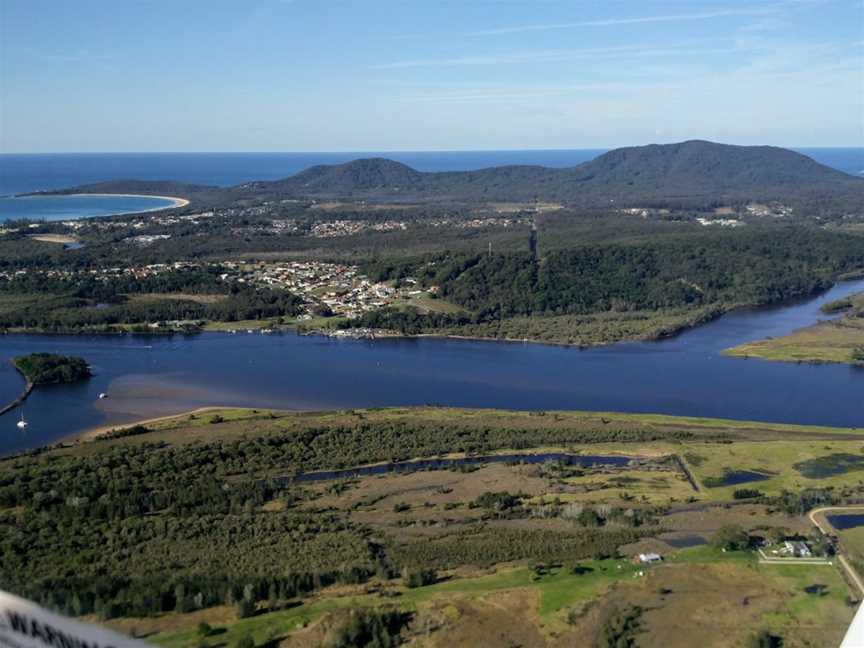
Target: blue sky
345, 75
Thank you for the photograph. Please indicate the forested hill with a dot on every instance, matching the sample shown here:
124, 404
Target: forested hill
693, 170
688, 174
201, 193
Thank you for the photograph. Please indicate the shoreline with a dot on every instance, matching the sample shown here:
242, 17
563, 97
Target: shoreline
300, 328
93, 433
176, 202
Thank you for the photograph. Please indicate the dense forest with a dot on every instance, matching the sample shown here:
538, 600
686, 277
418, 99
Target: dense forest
684, 270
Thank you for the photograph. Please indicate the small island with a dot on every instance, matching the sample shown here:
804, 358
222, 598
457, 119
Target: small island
51, 369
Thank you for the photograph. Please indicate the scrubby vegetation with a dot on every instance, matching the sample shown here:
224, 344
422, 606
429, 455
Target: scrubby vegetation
191, 518
196, 512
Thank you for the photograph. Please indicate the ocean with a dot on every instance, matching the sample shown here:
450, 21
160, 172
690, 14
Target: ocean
21, 173
58, 208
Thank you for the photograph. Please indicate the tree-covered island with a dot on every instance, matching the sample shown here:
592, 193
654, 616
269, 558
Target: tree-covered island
50, 368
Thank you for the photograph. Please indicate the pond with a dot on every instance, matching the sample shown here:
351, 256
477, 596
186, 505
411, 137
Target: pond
831, 465
843, 521
735, 477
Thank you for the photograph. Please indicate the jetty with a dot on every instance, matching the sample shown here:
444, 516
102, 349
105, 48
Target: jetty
15, 403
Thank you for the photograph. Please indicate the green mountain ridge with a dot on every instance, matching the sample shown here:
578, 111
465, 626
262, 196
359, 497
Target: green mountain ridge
689, 174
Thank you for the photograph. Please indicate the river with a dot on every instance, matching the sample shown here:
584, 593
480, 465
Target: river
147, 376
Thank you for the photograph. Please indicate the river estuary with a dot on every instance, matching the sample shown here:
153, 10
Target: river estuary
148, 376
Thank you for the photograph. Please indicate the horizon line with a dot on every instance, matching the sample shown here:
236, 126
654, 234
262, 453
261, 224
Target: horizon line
443, 150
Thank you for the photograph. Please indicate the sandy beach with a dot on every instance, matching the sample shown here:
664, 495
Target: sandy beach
93, 433
178, 202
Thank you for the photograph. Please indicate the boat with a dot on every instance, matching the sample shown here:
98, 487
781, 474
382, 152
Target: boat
102, 395
22, 424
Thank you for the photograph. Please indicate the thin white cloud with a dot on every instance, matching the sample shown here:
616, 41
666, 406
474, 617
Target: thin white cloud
515, 93
606, 22
547, 56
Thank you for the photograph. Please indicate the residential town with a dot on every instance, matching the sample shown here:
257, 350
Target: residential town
330, 288
327, 289
268, 218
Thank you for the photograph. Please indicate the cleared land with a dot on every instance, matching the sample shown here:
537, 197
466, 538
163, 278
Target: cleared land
55, 238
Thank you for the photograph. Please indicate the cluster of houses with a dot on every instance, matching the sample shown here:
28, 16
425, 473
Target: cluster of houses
326, 288
146, 239
102, 274
338, 288
283, 226
720, 222
774, 210
13, 230
138, 221
270, 218
643, 212
329, 229
473, 223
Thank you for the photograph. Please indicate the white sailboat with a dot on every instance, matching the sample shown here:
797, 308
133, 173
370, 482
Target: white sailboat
22, 423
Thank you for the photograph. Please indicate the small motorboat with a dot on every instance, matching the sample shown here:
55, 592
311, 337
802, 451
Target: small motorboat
102, 395
22, 424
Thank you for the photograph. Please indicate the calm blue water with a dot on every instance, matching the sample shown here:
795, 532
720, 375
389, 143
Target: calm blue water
841, 521
54, 208
152, 376
35, 172
735, 477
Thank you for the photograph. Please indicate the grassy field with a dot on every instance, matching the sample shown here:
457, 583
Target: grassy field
830, 341
557, 605
787, 466
825, 342
427, 304
199, 299
287, 322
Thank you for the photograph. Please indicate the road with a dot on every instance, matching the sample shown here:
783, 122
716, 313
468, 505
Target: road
828, 530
